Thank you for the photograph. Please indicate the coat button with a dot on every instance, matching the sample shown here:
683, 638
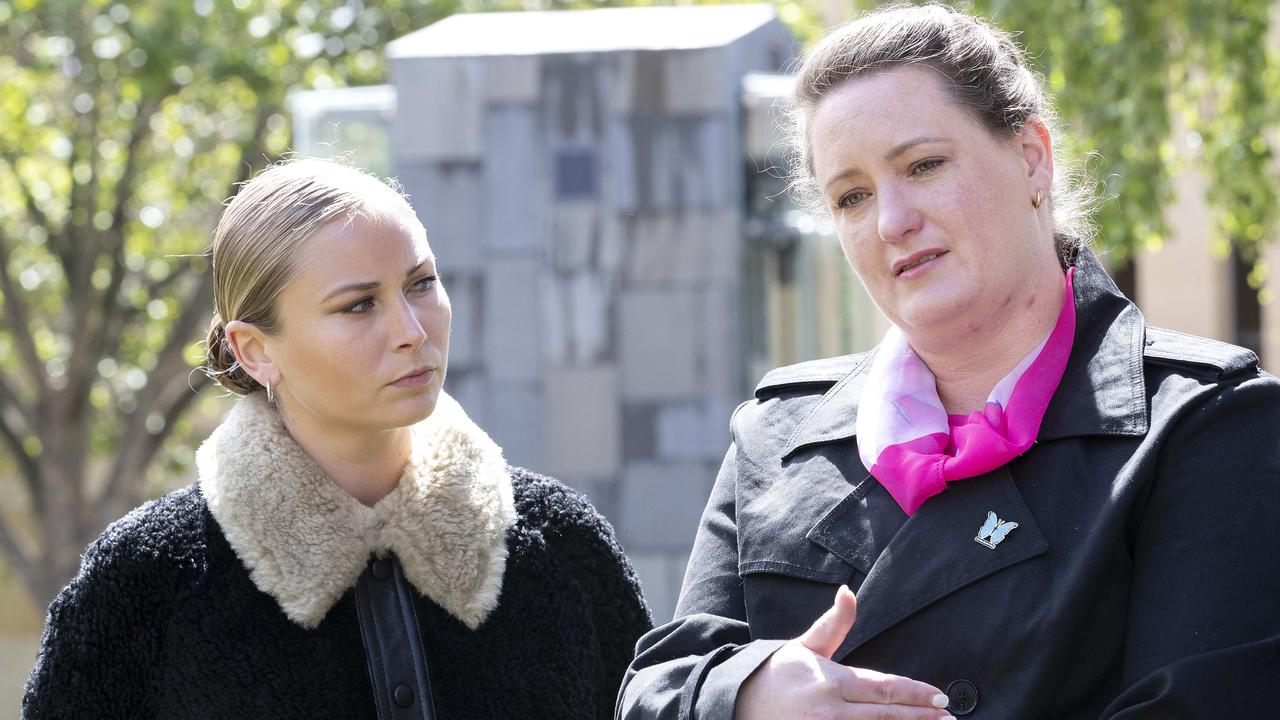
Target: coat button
403, 696
381, 569
963, 696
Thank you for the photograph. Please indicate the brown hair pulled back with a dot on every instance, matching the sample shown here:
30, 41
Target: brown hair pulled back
985, 69
259, 237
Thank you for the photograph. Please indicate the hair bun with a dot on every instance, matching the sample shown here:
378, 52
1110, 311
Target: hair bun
220, 361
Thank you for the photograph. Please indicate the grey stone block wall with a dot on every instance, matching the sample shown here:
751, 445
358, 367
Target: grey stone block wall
587, 210
448, 200
441, 117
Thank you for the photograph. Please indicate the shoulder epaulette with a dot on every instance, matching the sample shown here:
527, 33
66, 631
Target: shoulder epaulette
827, 371
1176, 348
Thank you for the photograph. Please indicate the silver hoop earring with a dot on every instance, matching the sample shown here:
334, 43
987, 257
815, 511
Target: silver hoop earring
270, 398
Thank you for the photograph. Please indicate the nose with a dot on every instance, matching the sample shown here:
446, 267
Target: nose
897, 216
407, 330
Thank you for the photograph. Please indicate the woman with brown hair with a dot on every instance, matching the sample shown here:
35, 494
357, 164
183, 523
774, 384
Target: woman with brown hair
1045, 507
354, 546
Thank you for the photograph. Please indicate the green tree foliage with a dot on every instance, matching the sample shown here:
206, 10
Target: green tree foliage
123, 128
1134, 80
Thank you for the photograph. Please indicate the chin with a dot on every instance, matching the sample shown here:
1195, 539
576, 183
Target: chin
421, 407
409, 410
938, 311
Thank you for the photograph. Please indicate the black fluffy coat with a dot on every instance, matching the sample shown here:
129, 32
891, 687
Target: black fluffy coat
164, 621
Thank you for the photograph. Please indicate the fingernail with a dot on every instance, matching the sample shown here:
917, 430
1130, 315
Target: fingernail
941, 701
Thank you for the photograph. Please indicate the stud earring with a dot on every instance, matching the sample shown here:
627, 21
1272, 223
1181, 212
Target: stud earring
1039, 199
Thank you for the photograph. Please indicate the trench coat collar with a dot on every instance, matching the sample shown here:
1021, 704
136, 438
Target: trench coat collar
1102, 392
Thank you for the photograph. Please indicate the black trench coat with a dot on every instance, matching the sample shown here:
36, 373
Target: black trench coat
1142, 581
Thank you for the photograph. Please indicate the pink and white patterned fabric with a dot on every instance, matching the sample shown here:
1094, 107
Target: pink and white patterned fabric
914, 448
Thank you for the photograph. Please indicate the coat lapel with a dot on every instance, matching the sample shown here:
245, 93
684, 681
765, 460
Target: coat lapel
935, 553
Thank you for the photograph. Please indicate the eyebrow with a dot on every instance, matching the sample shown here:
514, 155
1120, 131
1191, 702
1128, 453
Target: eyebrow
368, 285
894, 153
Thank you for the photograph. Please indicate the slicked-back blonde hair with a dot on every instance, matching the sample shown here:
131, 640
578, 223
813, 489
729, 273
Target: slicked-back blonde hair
260, 236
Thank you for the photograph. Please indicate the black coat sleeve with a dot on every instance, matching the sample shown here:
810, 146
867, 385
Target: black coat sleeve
1203, 631
103, 634
693, 666
586, 542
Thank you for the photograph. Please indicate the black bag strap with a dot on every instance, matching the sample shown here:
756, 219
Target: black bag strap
393, 643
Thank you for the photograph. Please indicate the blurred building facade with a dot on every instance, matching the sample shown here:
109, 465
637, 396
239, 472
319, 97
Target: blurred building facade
605, 193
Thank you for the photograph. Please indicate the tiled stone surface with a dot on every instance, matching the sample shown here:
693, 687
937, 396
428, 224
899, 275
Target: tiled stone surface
661, 504
639, 83
576, 173
575, 232
575, 101
706, 162
576, 319
513, 79
583, 422
660, 574
674, 163
639, 432
511, 319
517, 418
696, 431
720, 342
580, 297
653, 571
586, 213
697, 83
689, 249
658, 345
439, 104
516, 180
471, 390
446, 197
466, 297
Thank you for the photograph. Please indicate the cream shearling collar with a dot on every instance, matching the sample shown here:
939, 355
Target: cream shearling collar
305, 541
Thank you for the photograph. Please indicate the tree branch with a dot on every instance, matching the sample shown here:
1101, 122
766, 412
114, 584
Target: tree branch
38, 215
75, 252
9, 545
31, 474
136, 445
17, 319
10, 398
125, 315
140, 131
90, 339
169, 364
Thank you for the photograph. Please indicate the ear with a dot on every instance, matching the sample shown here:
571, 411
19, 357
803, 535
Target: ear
250, 347
1036, 145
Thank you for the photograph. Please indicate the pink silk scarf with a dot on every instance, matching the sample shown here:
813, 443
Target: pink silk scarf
914, 448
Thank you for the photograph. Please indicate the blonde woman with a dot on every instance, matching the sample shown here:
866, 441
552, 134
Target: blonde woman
354, 546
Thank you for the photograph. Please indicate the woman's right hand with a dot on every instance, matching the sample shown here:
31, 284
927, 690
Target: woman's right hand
801, 681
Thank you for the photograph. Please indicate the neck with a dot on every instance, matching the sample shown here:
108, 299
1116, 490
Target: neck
965, 378
365, 465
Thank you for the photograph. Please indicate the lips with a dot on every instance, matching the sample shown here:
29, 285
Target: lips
916, 260
415, 377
